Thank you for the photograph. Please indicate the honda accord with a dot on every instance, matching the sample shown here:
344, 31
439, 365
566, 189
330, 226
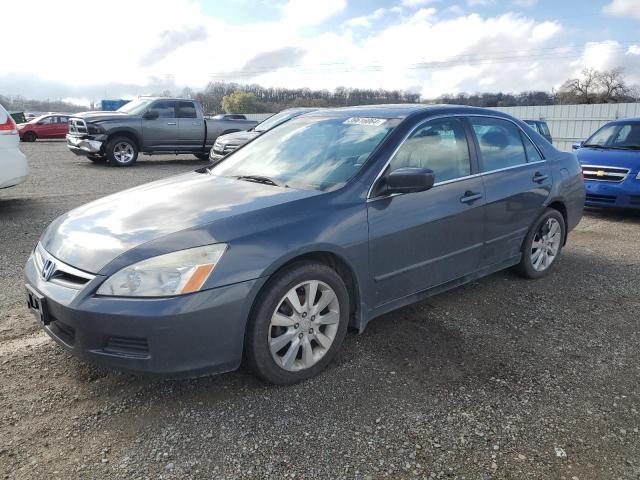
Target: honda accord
320, 224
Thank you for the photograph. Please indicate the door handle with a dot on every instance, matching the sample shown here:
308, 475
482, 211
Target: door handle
539, 177
171, 123
470, 197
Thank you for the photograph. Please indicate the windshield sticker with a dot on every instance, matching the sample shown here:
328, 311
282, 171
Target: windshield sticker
370, 122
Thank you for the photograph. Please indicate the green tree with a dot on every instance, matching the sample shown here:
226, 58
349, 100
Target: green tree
239, 102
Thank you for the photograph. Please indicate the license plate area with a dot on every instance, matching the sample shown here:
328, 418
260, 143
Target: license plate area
37, 305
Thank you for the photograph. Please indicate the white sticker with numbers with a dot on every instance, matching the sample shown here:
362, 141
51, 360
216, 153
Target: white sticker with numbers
367, 121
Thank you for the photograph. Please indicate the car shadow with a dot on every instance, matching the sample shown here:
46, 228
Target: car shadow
614, 214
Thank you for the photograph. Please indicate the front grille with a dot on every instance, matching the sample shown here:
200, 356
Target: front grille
601, 198
127, 347
77, 126
604, 174
58, 272
221, 149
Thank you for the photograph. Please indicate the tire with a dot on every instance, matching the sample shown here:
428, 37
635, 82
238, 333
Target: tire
97, 158
122, 152
538, 261
297, 333
201, 156
29, 137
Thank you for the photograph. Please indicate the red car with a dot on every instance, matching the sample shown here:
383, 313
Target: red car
52, 125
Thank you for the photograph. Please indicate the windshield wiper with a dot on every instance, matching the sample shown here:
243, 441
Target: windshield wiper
262, 179
593, 145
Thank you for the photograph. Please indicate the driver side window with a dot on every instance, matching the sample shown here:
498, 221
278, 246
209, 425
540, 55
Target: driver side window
165, 108
439, 145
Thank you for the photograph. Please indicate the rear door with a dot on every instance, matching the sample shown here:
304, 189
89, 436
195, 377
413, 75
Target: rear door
191, 127
62, 126
161, 133
517, 181
421, 240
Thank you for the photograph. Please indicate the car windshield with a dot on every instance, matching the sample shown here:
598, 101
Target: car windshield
275, 120
616, 135
136, 107
321, 153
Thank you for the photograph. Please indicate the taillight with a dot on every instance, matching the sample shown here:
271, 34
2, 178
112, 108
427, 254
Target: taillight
8, 127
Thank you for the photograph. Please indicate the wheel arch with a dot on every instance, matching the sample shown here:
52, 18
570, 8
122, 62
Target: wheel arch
335, 261
559, 205
125, 133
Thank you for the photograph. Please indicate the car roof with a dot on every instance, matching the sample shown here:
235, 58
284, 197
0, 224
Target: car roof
405, 110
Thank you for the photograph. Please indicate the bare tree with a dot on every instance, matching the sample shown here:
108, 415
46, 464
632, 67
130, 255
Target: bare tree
613, 86
583, 89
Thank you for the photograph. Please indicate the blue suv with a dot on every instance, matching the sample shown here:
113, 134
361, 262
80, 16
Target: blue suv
610, 161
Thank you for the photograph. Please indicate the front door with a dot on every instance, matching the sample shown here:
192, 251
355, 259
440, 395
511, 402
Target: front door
161, 133
517, 182
425, 239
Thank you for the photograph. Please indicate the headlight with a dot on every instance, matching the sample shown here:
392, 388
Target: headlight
95, 129
175, 273
638, 176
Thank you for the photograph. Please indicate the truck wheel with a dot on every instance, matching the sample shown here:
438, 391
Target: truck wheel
122, 152
201, 156
29, 137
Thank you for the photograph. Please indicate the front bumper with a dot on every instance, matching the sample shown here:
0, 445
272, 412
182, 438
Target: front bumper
194, 334
625, 194
83, 146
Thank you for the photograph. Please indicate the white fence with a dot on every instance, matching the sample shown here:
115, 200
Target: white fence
572, 123
568, 123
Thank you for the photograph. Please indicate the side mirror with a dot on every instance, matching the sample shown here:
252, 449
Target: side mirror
410, 179
151, 115
577, 145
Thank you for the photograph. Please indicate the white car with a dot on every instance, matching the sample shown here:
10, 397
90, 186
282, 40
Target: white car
14, 164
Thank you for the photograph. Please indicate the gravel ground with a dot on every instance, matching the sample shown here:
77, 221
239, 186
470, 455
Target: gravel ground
503, 378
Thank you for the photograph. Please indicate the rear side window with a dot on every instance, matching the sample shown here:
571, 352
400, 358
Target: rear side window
544, 129
186, 110
63, 119
165, 108
439, 145
533, 155
500, 143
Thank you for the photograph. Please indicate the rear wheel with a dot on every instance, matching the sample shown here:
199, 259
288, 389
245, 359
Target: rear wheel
543, 245
29, 137
122, 152
298, 324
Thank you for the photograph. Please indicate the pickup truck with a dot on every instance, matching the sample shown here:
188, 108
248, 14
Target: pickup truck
151, 126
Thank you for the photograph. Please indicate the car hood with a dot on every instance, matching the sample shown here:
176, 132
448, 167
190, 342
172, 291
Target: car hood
610, 158
237, 138
94, 234
101, 116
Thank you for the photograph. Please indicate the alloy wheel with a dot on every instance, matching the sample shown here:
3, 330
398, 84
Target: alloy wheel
123, 152
304, 325
546, 244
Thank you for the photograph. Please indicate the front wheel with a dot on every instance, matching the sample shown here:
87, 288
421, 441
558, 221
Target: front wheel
122, 152
543, 245
298, 324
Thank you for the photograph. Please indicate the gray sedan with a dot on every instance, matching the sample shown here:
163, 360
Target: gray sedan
331, 219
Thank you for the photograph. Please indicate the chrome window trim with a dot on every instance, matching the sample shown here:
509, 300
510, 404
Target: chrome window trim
406, 137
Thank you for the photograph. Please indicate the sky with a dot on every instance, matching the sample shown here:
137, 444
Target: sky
82, 51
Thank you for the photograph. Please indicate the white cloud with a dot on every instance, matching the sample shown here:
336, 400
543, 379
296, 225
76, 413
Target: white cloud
525, 3
302, 12
623, 8
414, 49
417, 3
480, 3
